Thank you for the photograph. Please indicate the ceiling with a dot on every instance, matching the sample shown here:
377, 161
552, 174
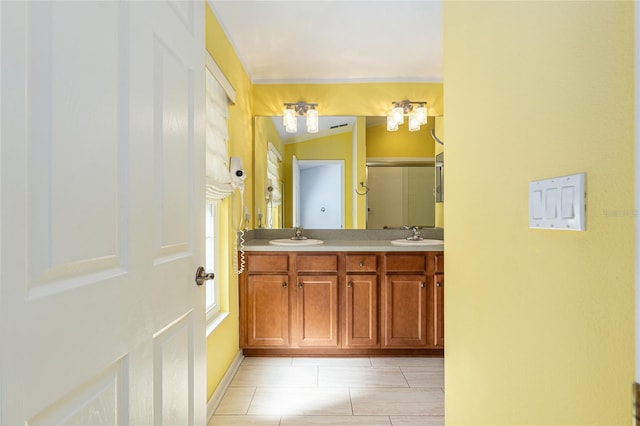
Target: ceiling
317, 41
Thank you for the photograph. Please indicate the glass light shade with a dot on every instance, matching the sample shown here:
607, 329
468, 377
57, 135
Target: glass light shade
289, 119
392, 125
398, 115
292, 127
421, 113
312, 121
414, 124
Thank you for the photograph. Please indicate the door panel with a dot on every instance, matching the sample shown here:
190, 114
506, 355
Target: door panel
405, 311
267, 310
101, 212
362, 311
317, 310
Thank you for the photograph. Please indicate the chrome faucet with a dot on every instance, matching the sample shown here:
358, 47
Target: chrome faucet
298, 235
416, 234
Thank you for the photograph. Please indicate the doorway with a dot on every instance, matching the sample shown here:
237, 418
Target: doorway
318, 191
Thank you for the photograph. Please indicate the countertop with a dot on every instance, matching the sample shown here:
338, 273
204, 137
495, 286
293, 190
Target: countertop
341, 240
341, 245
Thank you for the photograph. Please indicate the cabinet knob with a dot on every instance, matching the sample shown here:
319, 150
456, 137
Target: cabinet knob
299, 285
422, 284
361, 263
438, 284
284, 285
350, 284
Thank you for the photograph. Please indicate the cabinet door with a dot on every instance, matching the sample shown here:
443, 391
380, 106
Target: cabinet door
438, 315
405, 311
317, 306
361, 313
267, 310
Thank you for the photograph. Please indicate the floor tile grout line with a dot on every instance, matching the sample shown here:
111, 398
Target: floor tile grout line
253, 395
405, 377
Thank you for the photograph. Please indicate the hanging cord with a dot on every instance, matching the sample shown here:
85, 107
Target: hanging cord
240, 263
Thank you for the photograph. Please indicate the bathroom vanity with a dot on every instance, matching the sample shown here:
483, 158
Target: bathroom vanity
342, 297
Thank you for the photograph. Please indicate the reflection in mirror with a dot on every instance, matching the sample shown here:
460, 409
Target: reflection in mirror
400, 195
357, 142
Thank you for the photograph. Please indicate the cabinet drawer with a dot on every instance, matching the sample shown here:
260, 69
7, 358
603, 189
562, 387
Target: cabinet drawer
439, 262
361, 263
317, 263
268, 263
406, 262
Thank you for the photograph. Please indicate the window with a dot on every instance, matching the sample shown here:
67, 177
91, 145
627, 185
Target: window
211, 248
219, 94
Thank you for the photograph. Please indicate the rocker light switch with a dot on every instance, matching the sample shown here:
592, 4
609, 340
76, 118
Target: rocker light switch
558, 203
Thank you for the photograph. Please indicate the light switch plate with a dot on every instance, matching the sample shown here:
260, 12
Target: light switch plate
558, 203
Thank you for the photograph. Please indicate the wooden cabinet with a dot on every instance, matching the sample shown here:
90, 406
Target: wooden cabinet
438, 306
333, 303
360, 307
299, 309
267, 310
405, 311
317, 307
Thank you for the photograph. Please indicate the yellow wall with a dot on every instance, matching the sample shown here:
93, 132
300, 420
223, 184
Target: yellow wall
539, 323
346, 99
439, 131
223, 343
333, 147
401, 143
360, 175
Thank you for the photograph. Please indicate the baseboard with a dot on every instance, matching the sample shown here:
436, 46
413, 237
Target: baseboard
213, 403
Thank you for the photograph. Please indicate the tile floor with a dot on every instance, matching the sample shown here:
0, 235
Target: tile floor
334, 391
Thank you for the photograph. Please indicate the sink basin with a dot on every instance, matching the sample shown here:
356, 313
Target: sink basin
290, 242
425, 242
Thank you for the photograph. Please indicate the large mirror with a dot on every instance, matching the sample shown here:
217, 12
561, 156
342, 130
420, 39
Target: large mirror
351, 174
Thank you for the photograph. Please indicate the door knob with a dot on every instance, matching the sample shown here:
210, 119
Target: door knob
203, 276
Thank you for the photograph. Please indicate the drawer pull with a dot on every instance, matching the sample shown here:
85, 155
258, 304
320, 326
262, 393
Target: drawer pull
438, 284
361, 263
299, 285
284, 285
350, 284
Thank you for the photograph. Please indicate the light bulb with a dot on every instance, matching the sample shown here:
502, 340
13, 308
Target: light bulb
312, 120
398, 114
392, 125
414, 124
421, 113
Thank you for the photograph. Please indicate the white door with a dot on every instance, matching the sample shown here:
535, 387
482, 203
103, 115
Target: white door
101, 213
321, 194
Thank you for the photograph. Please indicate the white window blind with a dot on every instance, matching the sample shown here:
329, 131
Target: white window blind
217, 135
273, 176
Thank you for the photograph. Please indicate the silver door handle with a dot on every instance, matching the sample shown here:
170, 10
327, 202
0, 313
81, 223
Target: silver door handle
203, 276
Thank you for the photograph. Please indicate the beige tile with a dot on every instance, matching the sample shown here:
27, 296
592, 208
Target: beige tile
420, 377
360, 377
417, 420
268, 361
335, 362
335, 420
396, 401
407, 362
300, 401
244, 421
236, 401
276, 376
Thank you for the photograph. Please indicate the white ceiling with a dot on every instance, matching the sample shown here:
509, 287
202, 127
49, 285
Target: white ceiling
315, 41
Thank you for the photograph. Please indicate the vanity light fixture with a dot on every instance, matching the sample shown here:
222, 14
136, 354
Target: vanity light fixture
416, 112
293, 110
